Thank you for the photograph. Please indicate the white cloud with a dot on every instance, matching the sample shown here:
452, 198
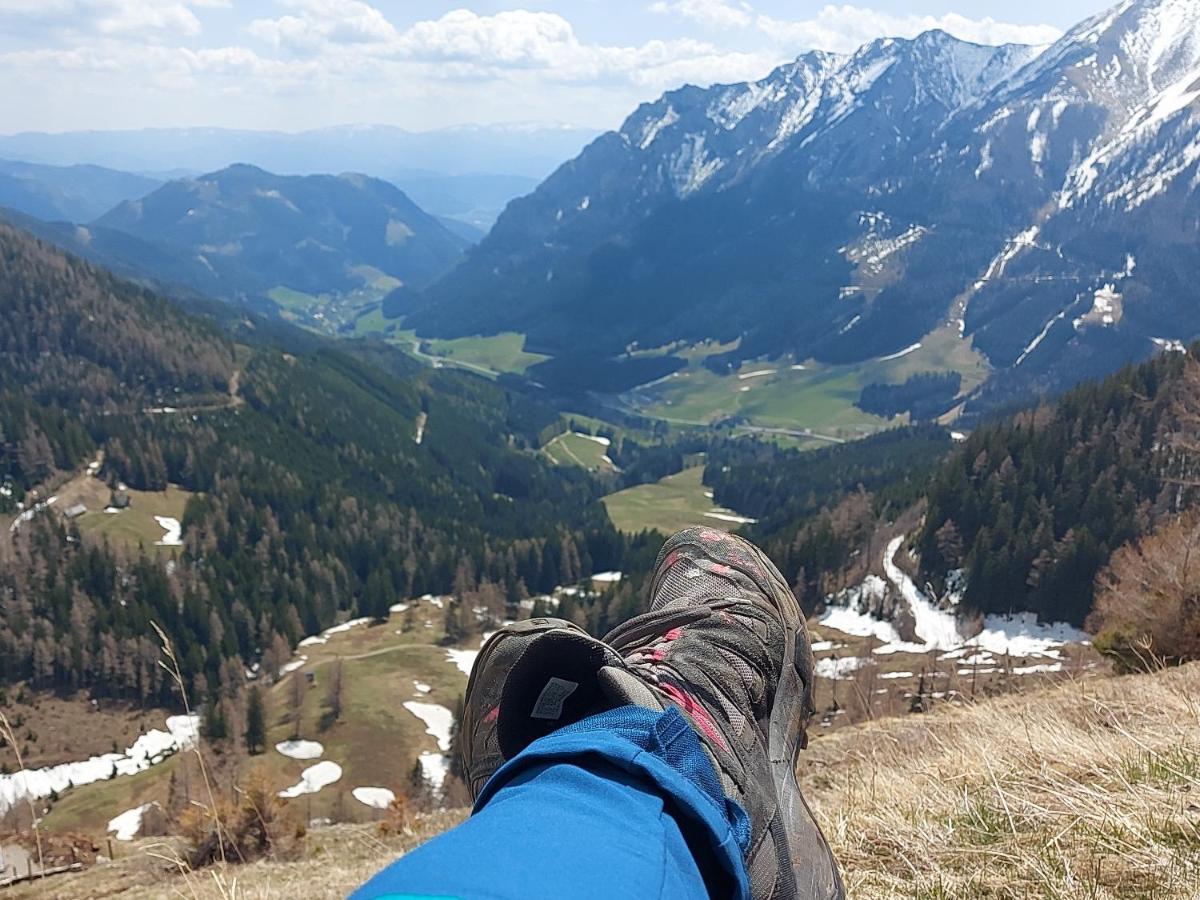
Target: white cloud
844, 29
105, 17
320, 61
514, 44
319, 22
710, 13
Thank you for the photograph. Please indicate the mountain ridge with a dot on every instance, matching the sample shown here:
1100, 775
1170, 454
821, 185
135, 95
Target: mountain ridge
747, 211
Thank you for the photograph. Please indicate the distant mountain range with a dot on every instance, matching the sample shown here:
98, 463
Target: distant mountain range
254, 230
248, 236
1039, 202
77, 193
531, 151
465, 174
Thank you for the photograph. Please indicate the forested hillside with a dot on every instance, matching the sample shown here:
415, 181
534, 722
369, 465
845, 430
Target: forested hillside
77, 345
1033, 506
1030, 508
817, 510
314, 492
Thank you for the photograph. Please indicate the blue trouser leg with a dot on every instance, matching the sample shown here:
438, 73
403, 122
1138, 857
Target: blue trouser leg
623, 804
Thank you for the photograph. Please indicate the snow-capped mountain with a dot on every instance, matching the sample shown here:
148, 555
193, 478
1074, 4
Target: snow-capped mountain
1044, 199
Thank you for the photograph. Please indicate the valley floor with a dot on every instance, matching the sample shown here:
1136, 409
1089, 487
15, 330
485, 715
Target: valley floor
1086, 789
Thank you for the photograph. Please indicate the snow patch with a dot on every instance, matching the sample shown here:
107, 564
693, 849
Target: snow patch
651, 129
907, 350
602, 441
1106, 308
1169, 345
374, 797
852, 622
174, 532
756, 374
691, 166
128, 824
1022, 635
28, 514
832, 667
1036, 669
607, 577
730, 517
434, 767
345, 626
301, 749
438, 720
936, 627
313, 779
290, 667
464, 659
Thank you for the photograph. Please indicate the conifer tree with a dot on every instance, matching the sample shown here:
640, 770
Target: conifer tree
256, 722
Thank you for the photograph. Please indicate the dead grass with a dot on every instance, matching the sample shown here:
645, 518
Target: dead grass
336, 860
1086, 790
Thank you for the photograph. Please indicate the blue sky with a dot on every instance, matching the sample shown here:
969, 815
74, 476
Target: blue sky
420, 64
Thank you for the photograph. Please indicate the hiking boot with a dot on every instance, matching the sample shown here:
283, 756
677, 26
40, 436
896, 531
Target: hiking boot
479, 736
725, 641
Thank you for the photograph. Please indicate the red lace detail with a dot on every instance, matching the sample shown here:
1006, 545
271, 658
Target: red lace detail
492, 714
699, 714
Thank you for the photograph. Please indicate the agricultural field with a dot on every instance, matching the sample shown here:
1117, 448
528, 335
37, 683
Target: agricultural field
489, 355
499, 352
331, 313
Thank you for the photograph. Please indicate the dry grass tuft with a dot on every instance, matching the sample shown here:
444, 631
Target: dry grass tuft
1090, 789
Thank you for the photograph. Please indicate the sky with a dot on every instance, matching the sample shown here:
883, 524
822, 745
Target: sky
424, 64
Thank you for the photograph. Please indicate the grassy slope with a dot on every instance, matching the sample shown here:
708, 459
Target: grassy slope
574, 449
136, 525
675, 502
819, 397
1083, 790
375, 742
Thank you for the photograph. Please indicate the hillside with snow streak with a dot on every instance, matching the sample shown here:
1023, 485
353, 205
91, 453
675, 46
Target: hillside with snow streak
148, 750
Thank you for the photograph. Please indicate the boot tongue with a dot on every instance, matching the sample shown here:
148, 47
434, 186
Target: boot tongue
624, 688
553, 684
